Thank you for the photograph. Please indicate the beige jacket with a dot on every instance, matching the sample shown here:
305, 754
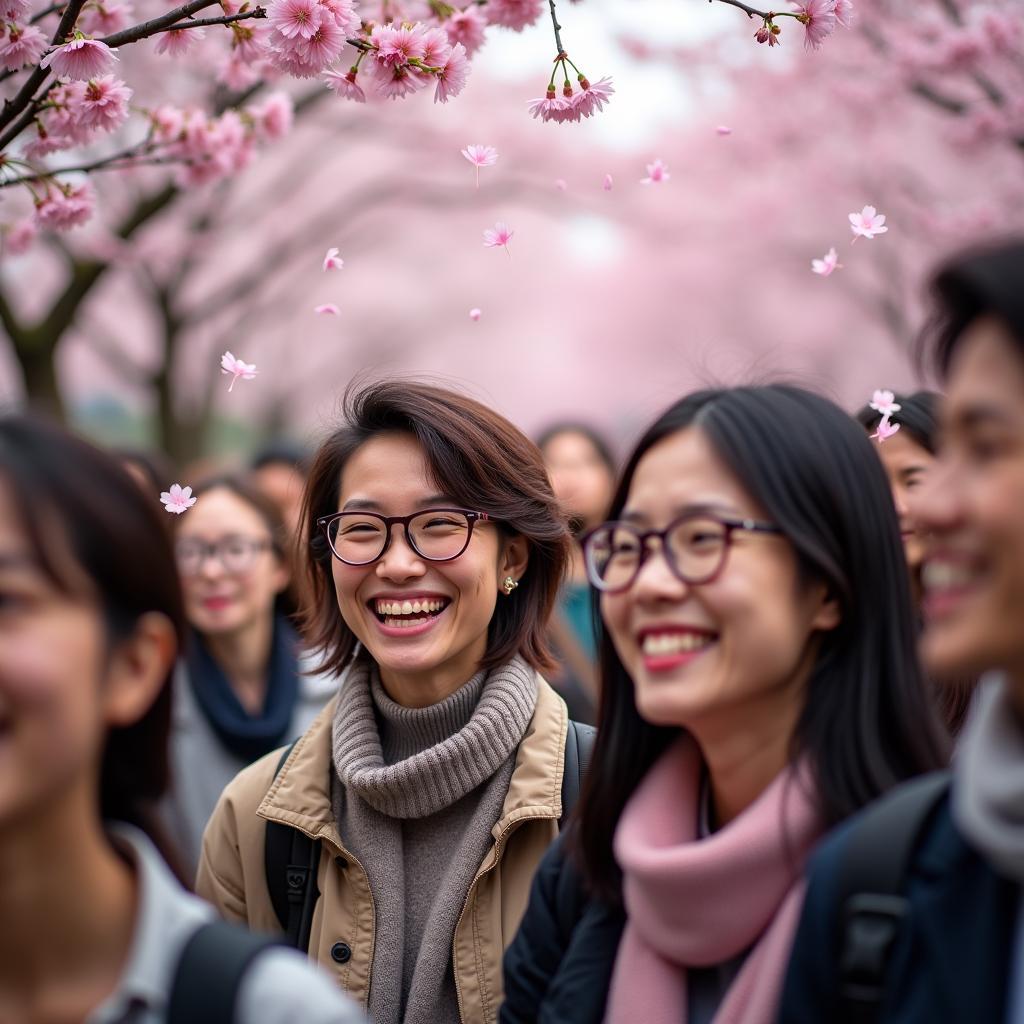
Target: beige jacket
231, 869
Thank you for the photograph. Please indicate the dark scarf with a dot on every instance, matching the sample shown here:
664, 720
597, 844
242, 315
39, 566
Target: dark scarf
248, 736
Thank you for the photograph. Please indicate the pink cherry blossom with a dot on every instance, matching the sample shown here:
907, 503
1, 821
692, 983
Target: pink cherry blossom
868, 223
452, 77
548, 107
592, 97
514, 14
345, 85
344, 14
80, 59
332, 261
395, 83
884, 402
723, 130
885, 430
24, 44
474, 315
274, 116
466, 27
398, 44
103, 18
657, 172
500, 234
480, 156
768, 33
230, 364
436, 47
295, 18
327, 309
236, 73
844, 13
178, 499
827, 264
607, 183
167, 122
62, 210
818, 18
12, 10
18, 238
104, 104
179, 41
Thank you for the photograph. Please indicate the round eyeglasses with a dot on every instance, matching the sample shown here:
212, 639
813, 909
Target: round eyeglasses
436, 534
235, 554
694, 546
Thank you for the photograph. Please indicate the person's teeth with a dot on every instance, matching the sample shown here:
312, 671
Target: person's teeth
944, 575
672, 643
416, 606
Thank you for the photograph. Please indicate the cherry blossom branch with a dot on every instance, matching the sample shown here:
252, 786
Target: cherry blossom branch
127, 157
24, 97
155, 25
750, 12
556, 26
227, 19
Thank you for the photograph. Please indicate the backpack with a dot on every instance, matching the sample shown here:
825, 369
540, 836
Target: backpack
871, 903
209, 973
291, 858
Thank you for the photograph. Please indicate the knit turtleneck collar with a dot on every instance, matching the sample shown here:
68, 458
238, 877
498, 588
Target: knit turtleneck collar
405, 732
417, 761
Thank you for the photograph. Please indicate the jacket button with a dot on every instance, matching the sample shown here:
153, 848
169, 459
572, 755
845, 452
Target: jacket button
341, 953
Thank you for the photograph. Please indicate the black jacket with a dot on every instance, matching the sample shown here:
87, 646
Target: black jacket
950, 963
559, 966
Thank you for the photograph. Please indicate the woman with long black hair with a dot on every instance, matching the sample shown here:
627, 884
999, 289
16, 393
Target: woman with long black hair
95, 927
759, 684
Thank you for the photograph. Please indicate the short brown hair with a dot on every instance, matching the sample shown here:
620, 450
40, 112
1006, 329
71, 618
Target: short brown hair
483, 462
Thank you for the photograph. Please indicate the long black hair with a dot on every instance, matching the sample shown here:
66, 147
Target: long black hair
867, 722
60, 483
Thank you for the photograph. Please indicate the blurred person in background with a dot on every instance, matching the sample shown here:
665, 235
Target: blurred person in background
95, 926
430, 787
582, 471
244, 686
942, 910
759, 684
279, 471
908, 456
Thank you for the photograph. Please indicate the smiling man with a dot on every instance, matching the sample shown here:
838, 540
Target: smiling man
941, 931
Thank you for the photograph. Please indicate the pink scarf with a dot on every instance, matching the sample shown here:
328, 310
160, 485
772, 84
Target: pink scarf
700, 902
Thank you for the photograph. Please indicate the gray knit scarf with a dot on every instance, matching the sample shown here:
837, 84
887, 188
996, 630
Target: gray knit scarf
416, 794
988, 779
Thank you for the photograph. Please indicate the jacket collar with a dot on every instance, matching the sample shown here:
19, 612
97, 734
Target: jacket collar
300, 795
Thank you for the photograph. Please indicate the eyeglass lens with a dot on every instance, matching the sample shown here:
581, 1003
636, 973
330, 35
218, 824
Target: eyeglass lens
437, 535
235, 554
694, 549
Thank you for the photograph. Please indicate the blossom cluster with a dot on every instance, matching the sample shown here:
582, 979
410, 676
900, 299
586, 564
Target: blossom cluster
818, 17
884, 403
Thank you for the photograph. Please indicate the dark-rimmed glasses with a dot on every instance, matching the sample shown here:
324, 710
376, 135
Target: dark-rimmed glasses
235, 553
436, 534
694, 546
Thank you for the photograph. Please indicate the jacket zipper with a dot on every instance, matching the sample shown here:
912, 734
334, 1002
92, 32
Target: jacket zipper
499, 847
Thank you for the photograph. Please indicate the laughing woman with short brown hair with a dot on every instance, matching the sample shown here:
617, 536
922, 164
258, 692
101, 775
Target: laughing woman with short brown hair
432, 783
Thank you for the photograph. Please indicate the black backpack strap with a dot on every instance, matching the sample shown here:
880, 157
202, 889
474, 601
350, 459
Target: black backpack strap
871, 903
579, 743
210, 971
290, 860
